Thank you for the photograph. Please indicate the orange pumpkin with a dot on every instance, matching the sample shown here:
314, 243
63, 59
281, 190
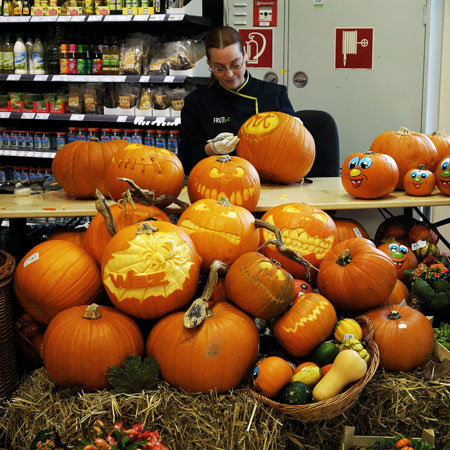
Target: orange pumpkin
80, 167
356, 276
402, 256
225, 176
92, 338
408, 148
156, 169
76, 237
301, 287
150, 269
442, 144
53, 276
307, 323
443, 176
306, 229
369, 175
421, 231
349, 228
219, 230
259, 286
217, 355
271, 374
97, 235
419, 181
278, 145
399, 294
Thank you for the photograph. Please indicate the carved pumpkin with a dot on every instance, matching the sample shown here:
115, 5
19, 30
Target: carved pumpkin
442, 144
443, 176
259, 286
408, 148
306, 324
306, 229
404, 336
76, 237
53, 276
150, 269
216, 355
278, 145
156, 169
419, 181
80, 167
92, 338
402, 256
369, 175
399, 294
225, 176
219, 230
349, 228
97, 235
355, 276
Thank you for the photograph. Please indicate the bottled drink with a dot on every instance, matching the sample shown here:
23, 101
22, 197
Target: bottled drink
29, 47
106, 57
8, 55
20, 56
72, 59
114, 57
38, 56
64, 60
81, 60
53, 50
1, 54
97, 62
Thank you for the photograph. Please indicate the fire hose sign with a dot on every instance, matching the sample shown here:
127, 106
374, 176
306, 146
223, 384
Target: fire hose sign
354, 48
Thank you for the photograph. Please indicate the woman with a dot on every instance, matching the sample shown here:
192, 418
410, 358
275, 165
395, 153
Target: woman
211, 116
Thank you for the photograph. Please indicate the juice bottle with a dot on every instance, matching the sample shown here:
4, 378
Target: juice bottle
114, 57
64, 60
81, 60
72, 62
97, 62
106, 57
8, 55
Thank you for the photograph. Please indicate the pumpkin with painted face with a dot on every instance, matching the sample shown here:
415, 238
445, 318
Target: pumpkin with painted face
306, 229
402, 257
369, 175
419, 181
150, 269
225, 176
443, 176
278, 145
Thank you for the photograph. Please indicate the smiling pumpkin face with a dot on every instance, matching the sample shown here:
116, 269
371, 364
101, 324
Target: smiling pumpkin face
369, 175
419, 181
443, 176
402, 257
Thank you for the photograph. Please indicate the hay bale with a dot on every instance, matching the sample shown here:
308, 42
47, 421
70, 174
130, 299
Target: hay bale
390, 403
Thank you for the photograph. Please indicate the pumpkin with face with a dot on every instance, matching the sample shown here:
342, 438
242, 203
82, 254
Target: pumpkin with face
225, 176
369, 175
402, 257
306, 229
443, 176
150, 269
419, 181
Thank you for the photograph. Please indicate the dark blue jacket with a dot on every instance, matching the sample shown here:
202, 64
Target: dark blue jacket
208, 111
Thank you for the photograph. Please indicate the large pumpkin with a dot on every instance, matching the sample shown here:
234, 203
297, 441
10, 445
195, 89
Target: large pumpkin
408, 148
369, 175
307, 323
402, 256
156, 169
219, 230
97, 235
306, 229
259, 286
349, 228
225, 176
215, 355
442, 144
150, 269
81, 343
80, 167
278, 145
54, 276
356, 276
443, 176
399, 295
404, 336
76, 237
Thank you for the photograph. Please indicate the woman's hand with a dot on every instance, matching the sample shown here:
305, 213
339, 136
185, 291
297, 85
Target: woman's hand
223, 143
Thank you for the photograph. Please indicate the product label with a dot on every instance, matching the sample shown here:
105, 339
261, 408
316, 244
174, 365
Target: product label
97, 67
28, 141
5, 140
20, 60
81, 66
2, 175
38, 61
72, 65
60, 142
13, 142
149, 140
21, 141
45, 143
8, 61
172, 145
37, 143
32, 258
64, 65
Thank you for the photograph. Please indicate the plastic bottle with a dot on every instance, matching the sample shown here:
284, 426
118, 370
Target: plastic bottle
1, 54
29, 47
64, 60
20, 56
8, 55
173, 141
38, 57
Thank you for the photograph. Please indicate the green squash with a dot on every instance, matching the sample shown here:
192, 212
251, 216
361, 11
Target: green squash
297, 393
325, 353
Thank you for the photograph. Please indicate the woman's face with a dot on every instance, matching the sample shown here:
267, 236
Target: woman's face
228, 65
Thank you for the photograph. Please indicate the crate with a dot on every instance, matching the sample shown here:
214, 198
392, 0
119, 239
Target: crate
441, 352
349, 440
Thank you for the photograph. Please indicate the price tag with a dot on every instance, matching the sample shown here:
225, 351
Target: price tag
157, 17
95, 18
40, 78
7, 152
35, 154
83, 78
64, 18
13, 77
117, 18
48, 155
122, 118
5, 114
144, 79
39, 18
76, 117
3, 19
97, 78
78, 18
140, 18
22, 18
169, 79
175, 17
42, 116
28, 115
59, 78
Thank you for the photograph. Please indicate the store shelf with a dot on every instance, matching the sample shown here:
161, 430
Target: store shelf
27, 153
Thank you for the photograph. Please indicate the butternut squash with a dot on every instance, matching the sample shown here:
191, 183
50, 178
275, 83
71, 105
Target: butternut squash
347, 367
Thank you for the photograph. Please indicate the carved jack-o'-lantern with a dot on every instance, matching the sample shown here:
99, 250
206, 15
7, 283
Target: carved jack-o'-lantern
402, 257
278, 145
419, 181
150, 269
443, 176
225, 176
306, 229
219, 230
369, 175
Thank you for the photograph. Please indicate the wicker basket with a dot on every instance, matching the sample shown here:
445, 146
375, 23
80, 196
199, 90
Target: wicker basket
8, 370
327, 409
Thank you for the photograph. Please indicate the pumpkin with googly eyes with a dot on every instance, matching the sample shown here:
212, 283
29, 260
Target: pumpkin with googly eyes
443, 176
419, 182
402, 256
369, 175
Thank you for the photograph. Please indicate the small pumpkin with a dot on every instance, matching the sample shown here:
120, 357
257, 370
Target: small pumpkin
301, 287
346, 328
443, 176
310, 375
419, 182
402, 256
271, 374
442, 144
349, 228
402, 443
297, 393
400, 294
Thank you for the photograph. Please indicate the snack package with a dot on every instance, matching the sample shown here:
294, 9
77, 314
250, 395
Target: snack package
184, 53
131, 54
161, 99
93, 98
146, 98
75, 103
176, 98
127, 94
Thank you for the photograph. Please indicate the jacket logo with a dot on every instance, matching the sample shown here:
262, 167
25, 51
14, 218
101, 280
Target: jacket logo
221, 119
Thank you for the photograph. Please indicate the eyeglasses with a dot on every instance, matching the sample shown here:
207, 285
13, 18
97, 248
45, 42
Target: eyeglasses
233, 67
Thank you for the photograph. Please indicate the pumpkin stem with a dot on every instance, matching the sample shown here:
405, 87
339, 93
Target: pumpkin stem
146, 228
344, 258
223, 158
92, 312
394, 315
223, 201
421, 167
436, 134
404, 131
285, 251
103, 208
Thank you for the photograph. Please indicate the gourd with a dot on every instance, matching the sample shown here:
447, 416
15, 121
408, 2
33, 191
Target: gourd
355, 344
347, 326
271, 375
310, 375
347, 367
297, 393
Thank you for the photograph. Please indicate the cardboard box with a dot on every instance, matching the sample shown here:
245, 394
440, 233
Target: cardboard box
441, 352
349, 439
